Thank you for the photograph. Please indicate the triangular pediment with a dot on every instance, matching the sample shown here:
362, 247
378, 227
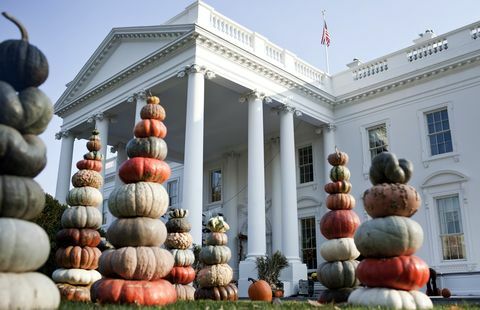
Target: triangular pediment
121, 49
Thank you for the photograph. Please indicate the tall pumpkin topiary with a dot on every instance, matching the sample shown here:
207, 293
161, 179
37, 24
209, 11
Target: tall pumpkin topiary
77, 254
25, 112
134, 272
338, 226
390, 271
214, 279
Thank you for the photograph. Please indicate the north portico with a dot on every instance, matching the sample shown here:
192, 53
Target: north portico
250, 125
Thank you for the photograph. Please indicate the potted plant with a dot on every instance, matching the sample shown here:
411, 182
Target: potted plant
269, 269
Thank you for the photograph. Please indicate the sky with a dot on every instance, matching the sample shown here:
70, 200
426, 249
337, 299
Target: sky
68, 32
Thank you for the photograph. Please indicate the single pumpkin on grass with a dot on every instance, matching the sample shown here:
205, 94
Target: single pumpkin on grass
259, 290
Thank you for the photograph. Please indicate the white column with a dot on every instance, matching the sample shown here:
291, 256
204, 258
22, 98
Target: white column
119, 148
256, 233
65, 165
193, 159
140, 101
289, 185
230, 208
328, 147
276, 208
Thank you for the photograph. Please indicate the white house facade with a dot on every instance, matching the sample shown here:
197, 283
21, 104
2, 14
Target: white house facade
250, 125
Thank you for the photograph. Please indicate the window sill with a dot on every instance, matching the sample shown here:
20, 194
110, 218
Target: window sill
304, 185
213, 204
455, 155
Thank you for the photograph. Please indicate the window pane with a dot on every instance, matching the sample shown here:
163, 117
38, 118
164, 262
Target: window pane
215, 185
309, 242
172, 189
439, 133
305, 162
377, 140
451, 231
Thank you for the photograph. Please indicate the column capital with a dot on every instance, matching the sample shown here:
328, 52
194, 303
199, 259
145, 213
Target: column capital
100, 116
62, 134
329, 127
138, 95
254, 94
287, 108
196, 68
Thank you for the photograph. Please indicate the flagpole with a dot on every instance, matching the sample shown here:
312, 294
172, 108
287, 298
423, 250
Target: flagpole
326, 45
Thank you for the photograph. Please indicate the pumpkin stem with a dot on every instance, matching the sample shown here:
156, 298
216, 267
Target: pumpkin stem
20, 26
252, 279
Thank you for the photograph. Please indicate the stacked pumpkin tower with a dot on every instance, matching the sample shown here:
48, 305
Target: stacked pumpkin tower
179, 241
215, 277
390, 271
77, 255
25, 112
338, 226
134, 271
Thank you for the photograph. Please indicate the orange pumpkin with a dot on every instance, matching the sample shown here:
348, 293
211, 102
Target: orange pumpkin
259, 290
338, 187
339, 224
181, 275
80, 237
139, 169
145, 293
78, 257
391, 199
150, 128
338, 158
90, 164
74, 293
340, 202
152, 111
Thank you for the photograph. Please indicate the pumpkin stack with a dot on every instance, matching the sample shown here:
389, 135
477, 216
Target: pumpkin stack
338, 226
215, 277
25, 112
390, 271
77, 255
134, 271
179, 240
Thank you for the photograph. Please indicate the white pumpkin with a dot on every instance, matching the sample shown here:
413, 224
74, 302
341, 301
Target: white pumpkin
76, 276
147, 199
390, 298
183, 257
30, 290
339, 250
82, 217
84, 196
24, 246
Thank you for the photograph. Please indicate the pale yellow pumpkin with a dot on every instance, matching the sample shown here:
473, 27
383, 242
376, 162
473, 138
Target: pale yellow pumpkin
339, 249
137, 231
75, 276
390, 298
84, 196
82, 217
215, 275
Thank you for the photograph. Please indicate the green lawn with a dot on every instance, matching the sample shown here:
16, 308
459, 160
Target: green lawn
211, 305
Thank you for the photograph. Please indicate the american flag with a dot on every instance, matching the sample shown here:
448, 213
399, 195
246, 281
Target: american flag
325, 35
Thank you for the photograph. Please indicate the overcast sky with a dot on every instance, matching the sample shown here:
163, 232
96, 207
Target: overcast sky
68, 32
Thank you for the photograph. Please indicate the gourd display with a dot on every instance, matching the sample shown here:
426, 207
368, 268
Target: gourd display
25, 112
391, 273
338, 225
215, 276
136, 271
77, 255
179, 242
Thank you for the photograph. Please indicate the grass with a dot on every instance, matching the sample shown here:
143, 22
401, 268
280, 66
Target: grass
242, 304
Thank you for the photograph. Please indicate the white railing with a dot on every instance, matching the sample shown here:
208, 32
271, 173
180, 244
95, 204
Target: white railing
231, 29
370, 69
274, 52
475, 32
308, 71
431, 48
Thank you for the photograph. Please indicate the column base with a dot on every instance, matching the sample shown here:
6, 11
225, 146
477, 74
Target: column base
247, 269
290, 276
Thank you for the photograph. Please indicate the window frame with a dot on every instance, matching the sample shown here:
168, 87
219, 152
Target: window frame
178, 191
427, 131
367, 158
297, 155
427, 156
210, 188
462, 226
301, 236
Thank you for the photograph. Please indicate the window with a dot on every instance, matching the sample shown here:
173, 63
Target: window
104, 211
377, 140
438, 130
305, 163
215, 185
451, 231
172, 189
309, 242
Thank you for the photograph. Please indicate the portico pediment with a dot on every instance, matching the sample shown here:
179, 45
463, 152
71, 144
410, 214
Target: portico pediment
121, 50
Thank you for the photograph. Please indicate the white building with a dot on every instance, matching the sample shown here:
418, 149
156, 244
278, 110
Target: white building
250, 125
